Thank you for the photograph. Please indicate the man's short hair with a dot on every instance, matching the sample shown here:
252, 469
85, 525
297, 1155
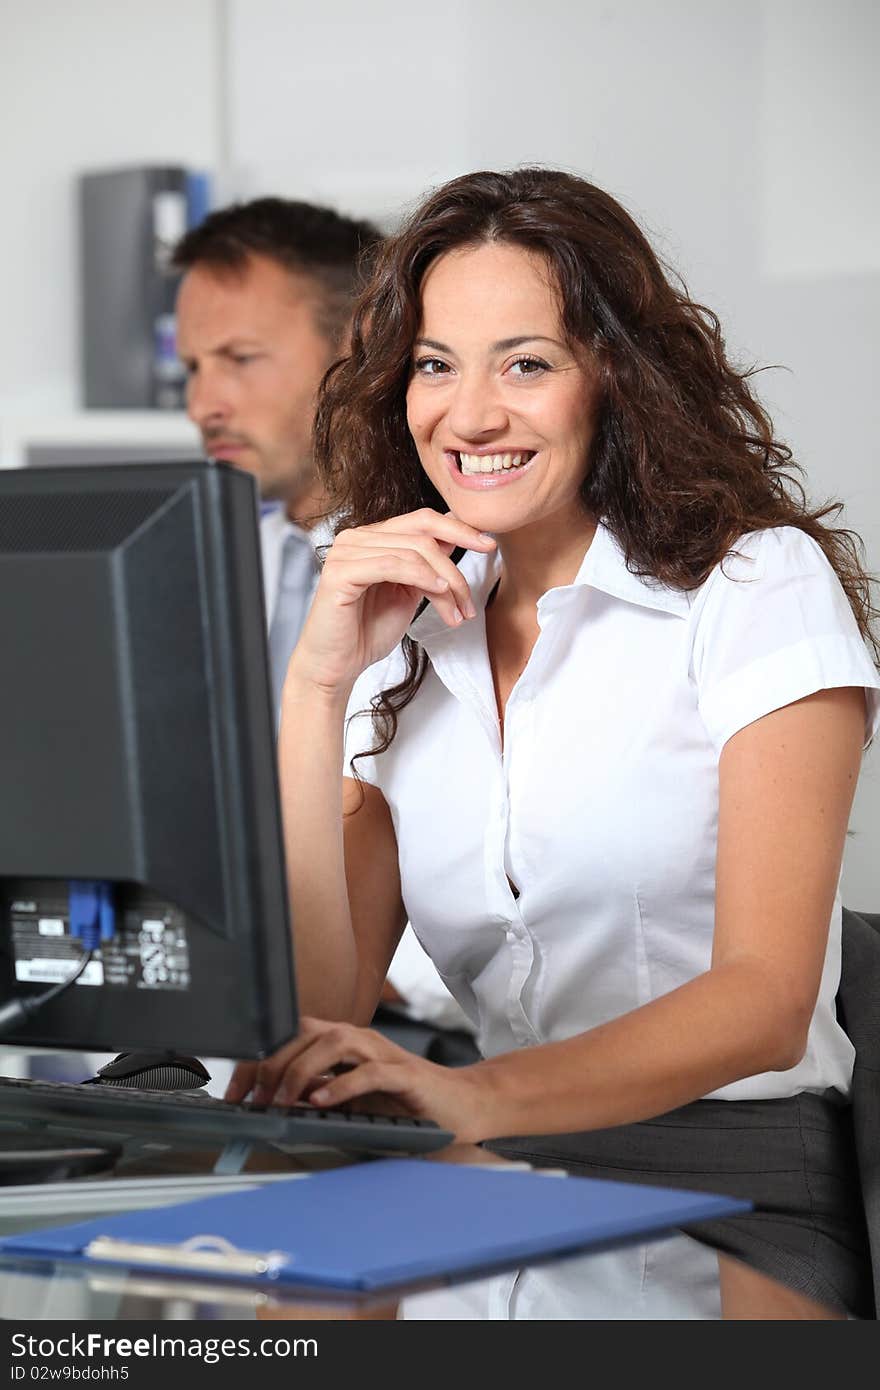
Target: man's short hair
306, 239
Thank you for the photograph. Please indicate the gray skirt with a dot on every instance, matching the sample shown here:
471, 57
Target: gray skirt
793, 1158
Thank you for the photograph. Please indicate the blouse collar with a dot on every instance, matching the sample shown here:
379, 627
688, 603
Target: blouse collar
603, 567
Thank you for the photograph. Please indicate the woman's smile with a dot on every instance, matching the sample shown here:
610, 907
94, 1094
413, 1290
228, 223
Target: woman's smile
489, 470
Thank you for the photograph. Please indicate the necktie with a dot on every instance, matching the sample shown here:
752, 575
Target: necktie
296, 584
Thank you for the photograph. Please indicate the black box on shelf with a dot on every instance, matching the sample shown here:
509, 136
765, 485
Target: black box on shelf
130, 221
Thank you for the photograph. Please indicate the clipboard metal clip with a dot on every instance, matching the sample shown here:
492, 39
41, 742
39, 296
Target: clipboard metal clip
210, 1254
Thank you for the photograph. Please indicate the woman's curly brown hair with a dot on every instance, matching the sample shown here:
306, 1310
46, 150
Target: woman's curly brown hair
684, 459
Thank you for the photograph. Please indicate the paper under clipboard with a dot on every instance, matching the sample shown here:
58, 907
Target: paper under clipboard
202, 1254
384, 1225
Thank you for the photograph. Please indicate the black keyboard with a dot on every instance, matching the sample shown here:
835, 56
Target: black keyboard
191, 1117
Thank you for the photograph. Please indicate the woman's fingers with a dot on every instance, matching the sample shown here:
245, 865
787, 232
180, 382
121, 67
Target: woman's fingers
371, 585
444, 526
390, 1078
240, 1082
360, 568
334, 1063
330, 1050
319, 1046
435, 555
424, 534
264, 1076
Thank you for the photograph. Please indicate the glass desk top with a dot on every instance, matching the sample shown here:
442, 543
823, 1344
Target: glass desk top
675, 1277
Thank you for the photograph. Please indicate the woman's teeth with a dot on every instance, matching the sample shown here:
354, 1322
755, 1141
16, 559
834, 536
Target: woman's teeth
492, 463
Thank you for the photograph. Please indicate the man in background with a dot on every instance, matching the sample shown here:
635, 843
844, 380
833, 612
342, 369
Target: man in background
263, 309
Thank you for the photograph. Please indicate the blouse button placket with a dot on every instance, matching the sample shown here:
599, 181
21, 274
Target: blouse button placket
519, 942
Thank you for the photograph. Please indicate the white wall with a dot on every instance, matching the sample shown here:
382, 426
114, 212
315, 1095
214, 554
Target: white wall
85, 85
740, 135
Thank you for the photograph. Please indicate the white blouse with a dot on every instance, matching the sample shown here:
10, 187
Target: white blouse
602, 807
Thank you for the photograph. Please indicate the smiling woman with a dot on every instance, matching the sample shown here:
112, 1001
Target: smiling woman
599, 680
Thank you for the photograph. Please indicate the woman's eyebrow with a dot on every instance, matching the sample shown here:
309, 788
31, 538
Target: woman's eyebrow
506, 344
503, 345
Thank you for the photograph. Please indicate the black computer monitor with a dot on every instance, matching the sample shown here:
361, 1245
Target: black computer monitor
137, 749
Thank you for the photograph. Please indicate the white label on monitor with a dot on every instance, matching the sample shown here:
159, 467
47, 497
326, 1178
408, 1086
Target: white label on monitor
52, 972
51, 926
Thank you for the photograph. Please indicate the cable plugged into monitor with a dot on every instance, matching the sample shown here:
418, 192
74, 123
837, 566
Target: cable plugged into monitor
92, 912
92, 920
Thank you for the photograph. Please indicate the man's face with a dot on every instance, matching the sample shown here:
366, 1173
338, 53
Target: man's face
254, 358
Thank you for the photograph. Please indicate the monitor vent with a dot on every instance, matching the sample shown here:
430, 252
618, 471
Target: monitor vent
58, 521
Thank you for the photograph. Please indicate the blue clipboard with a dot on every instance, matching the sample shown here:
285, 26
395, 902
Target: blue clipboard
378, 1226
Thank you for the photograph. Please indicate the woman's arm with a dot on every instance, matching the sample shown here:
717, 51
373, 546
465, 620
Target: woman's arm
786, 784
372, 874
371, 583
342, 868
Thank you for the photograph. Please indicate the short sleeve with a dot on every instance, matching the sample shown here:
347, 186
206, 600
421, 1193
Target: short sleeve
360, 735
772, 625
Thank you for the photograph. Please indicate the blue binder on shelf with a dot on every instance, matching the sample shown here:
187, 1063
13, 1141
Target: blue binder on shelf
383, 1225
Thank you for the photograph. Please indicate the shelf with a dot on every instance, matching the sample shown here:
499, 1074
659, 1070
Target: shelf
134, 432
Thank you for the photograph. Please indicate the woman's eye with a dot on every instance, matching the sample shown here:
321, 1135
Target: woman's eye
241, 359
431, 366
528, 366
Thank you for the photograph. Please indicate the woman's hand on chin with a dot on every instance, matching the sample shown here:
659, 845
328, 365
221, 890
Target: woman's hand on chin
371, 584
337, 1063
